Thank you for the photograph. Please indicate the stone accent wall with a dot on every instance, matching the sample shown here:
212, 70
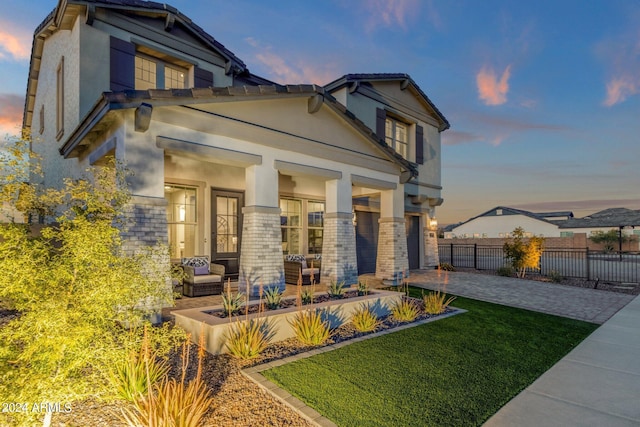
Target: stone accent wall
339, 260
145, 223
392, 261
261, 261
431, 254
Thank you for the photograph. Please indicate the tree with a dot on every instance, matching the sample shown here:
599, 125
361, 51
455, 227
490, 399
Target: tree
71, 284
608, 238
523, 254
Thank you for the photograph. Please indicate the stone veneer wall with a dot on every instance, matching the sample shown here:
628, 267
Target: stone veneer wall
261, 261
145, 223
339, 260
431, 254
392, 262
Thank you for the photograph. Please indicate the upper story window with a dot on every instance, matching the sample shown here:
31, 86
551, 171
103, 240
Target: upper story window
397, 136
153, 73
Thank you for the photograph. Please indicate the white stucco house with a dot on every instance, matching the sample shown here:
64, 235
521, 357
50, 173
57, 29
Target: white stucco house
501, 221
230, 164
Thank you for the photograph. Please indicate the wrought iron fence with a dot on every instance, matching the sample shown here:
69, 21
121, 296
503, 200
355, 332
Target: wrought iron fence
620, 267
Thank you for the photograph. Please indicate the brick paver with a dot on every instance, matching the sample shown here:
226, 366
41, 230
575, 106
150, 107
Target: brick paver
591, 305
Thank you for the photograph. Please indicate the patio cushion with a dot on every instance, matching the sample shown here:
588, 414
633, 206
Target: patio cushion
198, 271
196, 261
309, 271
207, 278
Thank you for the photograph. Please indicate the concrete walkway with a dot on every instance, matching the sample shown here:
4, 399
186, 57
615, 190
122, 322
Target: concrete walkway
597, 383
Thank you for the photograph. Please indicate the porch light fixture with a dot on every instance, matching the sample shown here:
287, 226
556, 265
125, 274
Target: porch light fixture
433, 223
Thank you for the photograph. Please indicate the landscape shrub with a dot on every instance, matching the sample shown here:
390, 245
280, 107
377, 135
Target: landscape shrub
247, 339
405, 310
310, 328
73, 284
445, 266
364, 319
523, 254
436, 302
506, 271
273, 297
336, 290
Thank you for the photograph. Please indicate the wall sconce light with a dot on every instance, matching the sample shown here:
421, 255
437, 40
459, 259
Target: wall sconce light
182, 213
433, 223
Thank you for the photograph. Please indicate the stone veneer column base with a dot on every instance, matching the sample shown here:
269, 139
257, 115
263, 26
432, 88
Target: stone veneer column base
261, 261
431, 254
392, 262
145, 226
339, 260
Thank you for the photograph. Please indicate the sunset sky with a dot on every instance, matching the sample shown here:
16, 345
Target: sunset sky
543, 97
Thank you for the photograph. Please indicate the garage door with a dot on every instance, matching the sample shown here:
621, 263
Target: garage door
367, 241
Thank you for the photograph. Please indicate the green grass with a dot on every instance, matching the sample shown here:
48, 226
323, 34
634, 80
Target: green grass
453, 372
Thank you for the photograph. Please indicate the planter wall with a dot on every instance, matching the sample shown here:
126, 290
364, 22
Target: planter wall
197, 321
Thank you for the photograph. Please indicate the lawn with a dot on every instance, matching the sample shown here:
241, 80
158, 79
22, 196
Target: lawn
453, 372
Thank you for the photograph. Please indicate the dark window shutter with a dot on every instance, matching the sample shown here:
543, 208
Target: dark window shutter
202, 78
122, 69
381, 117
419, 145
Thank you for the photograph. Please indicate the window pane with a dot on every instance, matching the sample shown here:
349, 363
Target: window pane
181, 220
145, 74
174, 78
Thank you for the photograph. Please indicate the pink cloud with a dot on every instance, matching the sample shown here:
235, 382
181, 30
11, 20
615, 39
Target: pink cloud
14, 44
620, 88
491, 89
280, 70
11, 107
389, 13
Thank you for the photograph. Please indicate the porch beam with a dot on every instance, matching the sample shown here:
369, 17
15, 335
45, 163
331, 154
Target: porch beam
296, 169
208, 153
376, 184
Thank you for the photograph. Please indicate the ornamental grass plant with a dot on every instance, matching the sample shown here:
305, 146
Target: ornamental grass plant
405, 310
310, 328
364, 319
436, 302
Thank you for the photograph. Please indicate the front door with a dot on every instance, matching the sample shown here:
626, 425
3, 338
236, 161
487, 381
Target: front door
226, 229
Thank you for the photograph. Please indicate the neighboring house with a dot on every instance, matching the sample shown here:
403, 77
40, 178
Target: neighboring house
501, 221
230, 164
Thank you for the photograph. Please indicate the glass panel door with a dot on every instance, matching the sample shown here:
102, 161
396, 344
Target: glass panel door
226, 228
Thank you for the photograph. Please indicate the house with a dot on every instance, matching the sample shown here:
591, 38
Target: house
227, 163
501, 221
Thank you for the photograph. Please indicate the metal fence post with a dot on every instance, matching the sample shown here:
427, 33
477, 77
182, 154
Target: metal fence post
475, 256
587, 264
452, 263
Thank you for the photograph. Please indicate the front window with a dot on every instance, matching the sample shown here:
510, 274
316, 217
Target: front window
153, 73
291, 223
182, 220
396, 136
315, 222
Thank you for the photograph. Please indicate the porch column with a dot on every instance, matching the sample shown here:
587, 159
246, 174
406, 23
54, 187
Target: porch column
393, 260
339, 237
261, 261
430, 235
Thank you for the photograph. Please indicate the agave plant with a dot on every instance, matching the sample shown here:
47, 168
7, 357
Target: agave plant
246, 340
405, 310
436, 302
232, 302
273, 297
310, 328
364, 319
336, 290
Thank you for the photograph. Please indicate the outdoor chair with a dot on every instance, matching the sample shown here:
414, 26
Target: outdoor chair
299, 265
202, 277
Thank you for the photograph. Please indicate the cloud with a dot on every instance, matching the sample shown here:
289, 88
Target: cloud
620, 88
11, 107
491, 90
15, 44
390, 13
280, 70
453, 137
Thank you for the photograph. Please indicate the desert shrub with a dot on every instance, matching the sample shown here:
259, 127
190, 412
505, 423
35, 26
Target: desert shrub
73, 284
364, 319
363, 288
231, 303
310, 328
436, 302
523, 253
306, 296
132, 376
273, 297
506, 271
246, 340
445, 266
405, 310
336, 290
173, 403
555, 276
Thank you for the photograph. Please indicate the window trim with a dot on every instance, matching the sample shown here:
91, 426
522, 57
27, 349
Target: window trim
160, 72
391, 139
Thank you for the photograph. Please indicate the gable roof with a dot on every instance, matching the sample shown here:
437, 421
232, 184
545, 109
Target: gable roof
613, 217
513, 211
65, 13
406, 80
113, 101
